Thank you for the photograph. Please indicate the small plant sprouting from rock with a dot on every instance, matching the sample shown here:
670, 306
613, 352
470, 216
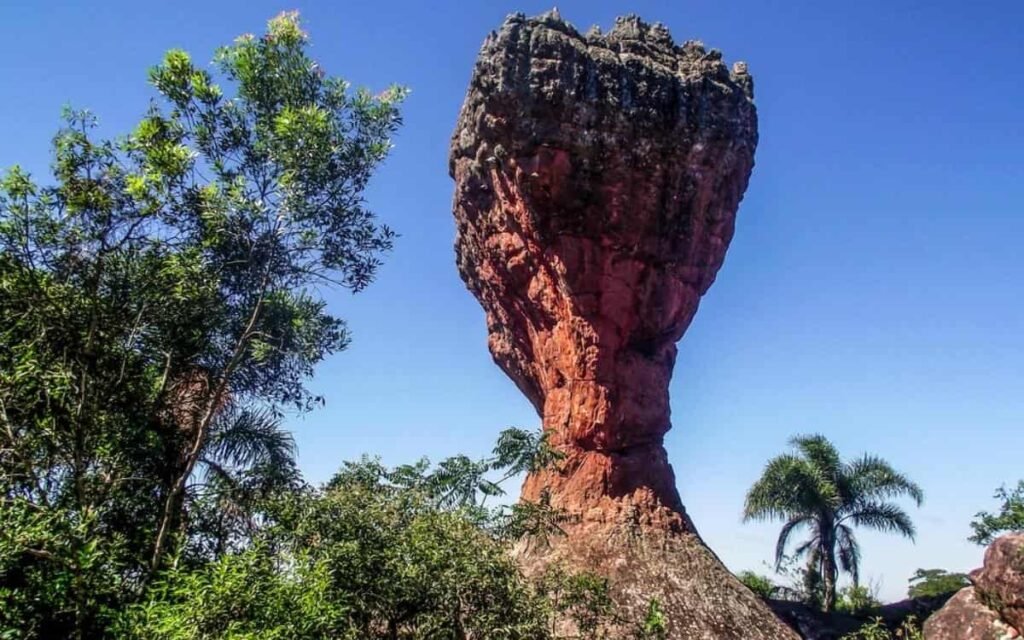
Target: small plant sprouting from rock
655, 625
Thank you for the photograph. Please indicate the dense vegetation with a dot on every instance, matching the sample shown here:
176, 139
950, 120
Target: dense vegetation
158, 315
812, 488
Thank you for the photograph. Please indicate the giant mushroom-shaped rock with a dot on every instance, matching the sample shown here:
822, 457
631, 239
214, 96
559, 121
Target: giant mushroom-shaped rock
597, 181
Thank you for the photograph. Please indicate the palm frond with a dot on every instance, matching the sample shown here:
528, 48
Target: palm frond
790, 485
216, 476
849, 552
520, 451
817, 449
249, 438
787, 530
882, 516
456, 480
872, 478
811, 544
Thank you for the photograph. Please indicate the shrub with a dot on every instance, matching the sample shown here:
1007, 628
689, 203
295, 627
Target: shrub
759, 584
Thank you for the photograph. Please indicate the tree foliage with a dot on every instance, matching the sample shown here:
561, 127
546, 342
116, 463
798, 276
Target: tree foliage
813, 489
1010, 517
160, 311
935, 582
384, 553
877, 629
759, 584
856, 600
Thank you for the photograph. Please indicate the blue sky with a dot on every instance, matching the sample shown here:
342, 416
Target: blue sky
874, 291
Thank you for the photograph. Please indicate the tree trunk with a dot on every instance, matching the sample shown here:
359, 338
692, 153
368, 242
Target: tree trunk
828, 573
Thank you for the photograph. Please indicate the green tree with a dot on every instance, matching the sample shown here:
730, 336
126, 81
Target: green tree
1010, 518
935, 582
759, 584
856, 600
814, 489
159, 313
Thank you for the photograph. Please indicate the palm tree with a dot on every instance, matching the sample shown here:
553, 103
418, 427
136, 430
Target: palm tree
247, 458
814, 489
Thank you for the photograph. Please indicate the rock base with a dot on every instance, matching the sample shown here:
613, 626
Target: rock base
699, 597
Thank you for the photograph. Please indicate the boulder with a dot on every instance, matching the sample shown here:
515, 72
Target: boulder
1000, 583
965, 618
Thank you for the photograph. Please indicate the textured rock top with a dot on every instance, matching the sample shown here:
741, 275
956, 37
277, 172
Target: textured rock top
629, 99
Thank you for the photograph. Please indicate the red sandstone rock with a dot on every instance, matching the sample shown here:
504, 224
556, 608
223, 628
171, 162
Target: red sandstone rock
597, 182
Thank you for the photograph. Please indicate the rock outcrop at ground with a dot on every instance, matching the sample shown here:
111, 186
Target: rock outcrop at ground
992, 608
597, 182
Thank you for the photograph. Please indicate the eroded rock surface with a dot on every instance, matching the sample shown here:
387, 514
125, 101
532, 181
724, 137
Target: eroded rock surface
597, 181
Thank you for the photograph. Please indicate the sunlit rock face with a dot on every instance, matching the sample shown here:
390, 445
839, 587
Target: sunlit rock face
597, 182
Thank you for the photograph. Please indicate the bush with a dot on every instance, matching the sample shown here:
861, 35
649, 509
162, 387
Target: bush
909, 629
759, 584
856, 600
383, 553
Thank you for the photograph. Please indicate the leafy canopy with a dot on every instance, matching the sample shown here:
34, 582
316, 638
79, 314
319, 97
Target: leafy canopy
1010, 518
935, 582
160, 310
759, 584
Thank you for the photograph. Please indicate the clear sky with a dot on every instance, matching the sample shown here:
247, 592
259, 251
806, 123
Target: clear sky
874, 291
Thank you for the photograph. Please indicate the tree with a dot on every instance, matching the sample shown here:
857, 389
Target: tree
160, 312
857, 600
280, 215
926, 583
759, 584
814, 489
987, 526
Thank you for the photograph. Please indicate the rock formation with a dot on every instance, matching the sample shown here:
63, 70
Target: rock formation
992, 608
597, 181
